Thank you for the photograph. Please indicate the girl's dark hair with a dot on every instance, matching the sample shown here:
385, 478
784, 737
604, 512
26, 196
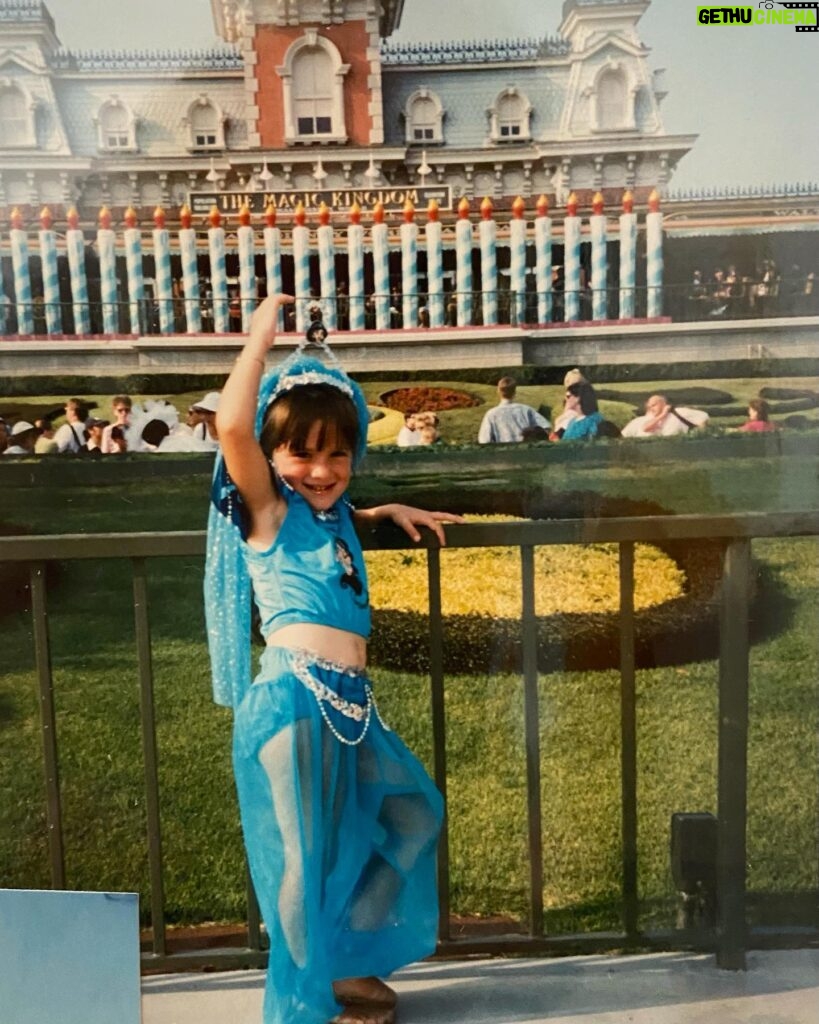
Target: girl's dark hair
291, 417
588, 399
761, 408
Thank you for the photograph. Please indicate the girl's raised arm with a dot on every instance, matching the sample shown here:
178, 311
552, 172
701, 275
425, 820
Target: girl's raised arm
235, 420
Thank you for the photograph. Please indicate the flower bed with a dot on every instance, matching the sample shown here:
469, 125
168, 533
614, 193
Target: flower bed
428, 399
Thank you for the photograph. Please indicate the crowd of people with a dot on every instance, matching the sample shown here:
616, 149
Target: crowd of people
725, 292
150, 426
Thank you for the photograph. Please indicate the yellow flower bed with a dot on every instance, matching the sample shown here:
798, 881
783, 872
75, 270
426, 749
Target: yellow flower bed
385, 429
487, 581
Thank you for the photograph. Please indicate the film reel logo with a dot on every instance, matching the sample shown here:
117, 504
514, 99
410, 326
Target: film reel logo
813, 6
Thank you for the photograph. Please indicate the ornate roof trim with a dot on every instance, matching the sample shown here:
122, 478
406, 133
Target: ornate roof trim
777, 191
490, 51
213, 59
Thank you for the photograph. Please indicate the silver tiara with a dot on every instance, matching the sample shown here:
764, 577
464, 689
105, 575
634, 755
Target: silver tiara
297, 380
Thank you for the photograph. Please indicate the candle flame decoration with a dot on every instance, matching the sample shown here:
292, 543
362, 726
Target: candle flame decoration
244, 215
355, 214
105, 218
16, 219
543, 207
185, 217
324, 215
130, 217
378, 213
597, 203
159, 217
214, 217
46, 219
72, 218
270, 215
654, 201
409, 212
487, 209
300, 215
433, 210
571, 205
518, 208
463, 209
628, 201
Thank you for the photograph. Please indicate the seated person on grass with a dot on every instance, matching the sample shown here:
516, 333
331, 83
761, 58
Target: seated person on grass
662, 419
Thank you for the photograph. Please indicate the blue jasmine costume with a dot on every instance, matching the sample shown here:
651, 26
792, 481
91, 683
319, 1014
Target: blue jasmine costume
340, 820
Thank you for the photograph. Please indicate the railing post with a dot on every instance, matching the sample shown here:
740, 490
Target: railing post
436, 672
149, 752
628, 740
532, 731
733, 757
48, 724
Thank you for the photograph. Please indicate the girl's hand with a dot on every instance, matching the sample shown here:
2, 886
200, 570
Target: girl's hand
265, 320
409, 519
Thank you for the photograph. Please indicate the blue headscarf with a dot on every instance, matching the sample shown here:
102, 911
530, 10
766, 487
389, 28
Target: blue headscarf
227, 582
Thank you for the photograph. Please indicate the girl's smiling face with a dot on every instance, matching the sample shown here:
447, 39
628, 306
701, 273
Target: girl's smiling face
319, 475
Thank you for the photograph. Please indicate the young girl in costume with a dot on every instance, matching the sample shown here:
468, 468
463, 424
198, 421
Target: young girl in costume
340, 820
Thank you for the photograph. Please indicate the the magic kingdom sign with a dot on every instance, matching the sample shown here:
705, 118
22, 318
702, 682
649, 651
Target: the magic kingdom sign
338, 199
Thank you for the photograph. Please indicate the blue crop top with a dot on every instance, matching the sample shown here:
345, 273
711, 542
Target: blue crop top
313, 571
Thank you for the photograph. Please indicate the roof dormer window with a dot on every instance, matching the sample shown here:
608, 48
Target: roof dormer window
206, 125
116, 127
424, 118
509, 117
16, 116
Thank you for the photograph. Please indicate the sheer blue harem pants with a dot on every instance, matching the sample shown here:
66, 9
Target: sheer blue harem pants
340, 832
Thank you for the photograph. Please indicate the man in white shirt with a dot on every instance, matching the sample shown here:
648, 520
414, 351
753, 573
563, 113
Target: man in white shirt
21, 439
506, 423
408, 435
662, 419
70, 437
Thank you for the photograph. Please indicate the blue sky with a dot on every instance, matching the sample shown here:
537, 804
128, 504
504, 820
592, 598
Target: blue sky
748, 92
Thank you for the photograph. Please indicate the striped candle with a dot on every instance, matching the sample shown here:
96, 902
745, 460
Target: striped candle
247, 267
409, 267
162, 272
435, 267
106, 250
599, 259
22, 276
381, 269
571, 261
654, 256
273, 258
133, 265
543, 261
488, 231
463, 263
190, 273
327, 267
218, 273
301, 266
75, 248
517, 262
51, 276
628, 257
355, 268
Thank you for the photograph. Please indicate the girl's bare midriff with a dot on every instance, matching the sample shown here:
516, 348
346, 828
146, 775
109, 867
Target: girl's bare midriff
348, 649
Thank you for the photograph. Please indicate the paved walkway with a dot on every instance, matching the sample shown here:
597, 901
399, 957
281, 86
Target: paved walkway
664, 988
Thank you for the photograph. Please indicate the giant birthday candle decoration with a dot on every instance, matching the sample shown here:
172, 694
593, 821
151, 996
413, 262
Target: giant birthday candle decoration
355, 268
301, 266
327, 267
571, 260
247, 266
22, 277
409, 266
628, 256
463, 263
75, 246
162, 270
599, 259
106, 250
218, 272
51, 276
273, 257
488, 231
517, 265
543, 261
190, 272
435, 266
654, 255
381, 268
133, 266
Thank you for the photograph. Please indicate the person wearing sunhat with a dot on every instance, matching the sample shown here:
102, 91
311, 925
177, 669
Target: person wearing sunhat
207, 409
22, 437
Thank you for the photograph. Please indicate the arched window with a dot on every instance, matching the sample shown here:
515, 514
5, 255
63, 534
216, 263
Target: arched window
206, 125
509, 117
424, 117
116, 127
16, 117
612, 101
313, 86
